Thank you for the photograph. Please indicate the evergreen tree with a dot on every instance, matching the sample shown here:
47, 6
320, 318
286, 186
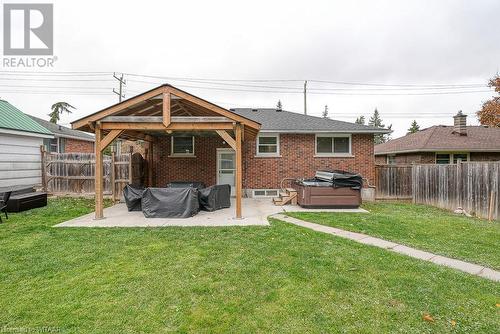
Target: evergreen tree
377, 122
279, 106
57, 109
414, 127
325, 112
360, 120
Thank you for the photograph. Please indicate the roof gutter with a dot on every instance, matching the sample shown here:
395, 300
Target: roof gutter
74, 137
25, 133
329, 131
440, 150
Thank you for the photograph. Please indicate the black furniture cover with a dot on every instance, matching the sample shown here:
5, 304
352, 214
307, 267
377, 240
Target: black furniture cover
133, 197
215, 197
170, 202
339, 179
186, 184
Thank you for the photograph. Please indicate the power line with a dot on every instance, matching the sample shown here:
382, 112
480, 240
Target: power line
63, 87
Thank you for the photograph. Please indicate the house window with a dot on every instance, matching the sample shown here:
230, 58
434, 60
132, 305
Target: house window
183, 146
391, 159
333, 145
460, 156
62, 145
268, 145
447, 158
50, 145
442, 158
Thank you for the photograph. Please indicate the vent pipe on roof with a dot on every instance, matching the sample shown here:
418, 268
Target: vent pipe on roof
460, 124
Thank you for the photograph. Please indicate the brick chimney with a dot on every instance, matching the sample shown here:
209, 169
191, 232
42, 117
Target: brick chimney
460, 124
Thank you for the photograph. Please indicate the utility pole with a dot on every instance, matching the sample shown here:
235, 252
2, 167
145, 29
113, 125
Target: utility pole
120, 90
305, 97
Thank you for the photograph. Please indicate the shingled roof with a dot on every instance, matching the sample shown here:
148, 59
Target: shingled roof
286, 121
62, 131
444, 138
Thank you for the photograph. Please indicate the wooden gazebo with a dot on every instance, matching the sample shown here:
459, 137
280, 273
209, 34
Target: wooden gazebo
164, 109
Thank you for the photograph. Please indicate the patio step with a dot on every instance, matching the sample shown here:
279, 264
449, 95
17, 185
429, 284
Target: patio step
287, 196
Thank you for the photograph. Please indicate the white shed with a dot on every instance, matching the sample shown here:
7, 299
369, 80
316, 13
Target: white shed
20, 141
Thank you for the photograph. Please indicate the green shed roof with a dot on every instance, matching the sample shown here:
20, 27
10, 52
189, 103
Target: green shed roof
14, 119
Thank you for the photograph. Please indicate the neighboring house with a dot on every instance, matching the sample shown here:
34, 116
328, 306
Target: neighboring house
20, 141
66, 140
442, 144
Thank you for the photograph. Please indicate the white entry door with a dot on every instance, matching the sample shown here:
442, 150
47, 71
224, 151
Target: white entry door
226, 167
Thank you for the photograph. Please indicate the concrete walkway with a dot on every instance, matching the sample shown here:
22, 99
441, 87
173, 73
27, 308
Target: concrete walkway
467, 267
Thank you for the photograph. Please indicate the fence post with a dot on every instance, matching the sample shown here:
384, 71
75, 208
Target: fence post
112, 174
44, 174
459, 183
413, 182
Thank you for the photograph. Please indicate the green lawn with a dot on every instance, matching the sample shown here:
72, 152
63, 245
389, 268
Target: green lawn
422, 226
281, 278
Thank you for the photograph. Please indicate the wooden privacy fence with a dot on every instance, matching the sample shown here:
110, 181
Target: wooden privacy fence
73, 173
393, 182
473, 186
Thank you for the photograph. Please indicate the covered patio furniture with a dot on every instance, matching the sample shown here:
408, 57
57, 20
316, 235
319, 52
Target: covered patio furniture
170, 202
133, 197
215, 197
186, 184
3, 204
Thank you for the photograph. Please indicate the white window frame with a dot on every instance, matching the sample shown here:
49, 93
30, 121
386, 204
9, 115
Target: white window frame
185, 155
452, 156
333, 135
277, 154
390, 156
266, 195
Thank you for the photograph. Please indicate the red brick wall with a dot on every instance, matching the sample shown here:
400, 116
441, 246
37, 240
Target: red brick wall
408, 158
484, 156
430, 157
78, 146
202, 168
297, 160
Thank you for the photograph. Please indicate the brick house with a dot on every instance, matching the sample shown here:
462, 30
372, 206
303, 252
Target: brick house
66, 140
442, 144
288, 145
190, 139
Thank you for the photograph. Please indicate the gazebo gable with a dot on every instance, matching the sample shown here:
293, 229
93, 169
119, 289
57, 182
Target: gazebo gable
165, 108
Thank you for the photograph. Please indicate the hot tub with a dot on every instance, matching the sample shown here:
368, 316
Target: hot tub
329, 189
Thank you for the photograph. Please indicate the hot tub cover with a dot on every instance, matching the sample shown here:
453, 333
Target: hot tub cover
186, 184
133, 196
336, 179
170, 202
215, 197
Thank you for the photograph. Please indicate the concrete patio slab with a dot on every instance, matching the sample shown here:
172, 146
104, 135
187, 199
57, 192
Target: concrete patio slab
255, 213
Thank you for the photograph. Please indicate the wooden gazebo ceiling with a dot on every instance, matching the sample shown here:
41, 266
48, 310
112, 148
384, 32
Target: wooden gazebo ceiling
152, 106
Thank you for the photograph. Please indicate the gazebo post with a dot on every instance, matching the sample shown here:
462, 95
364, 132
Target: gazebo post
98, 173
239, 169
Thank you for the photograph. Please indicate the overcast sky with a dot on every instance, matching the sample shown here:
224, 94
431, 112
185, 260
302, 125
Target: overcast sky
369, 42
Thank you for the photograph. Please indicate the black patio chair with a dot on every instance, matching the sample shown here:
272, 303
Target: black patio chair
3, 204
